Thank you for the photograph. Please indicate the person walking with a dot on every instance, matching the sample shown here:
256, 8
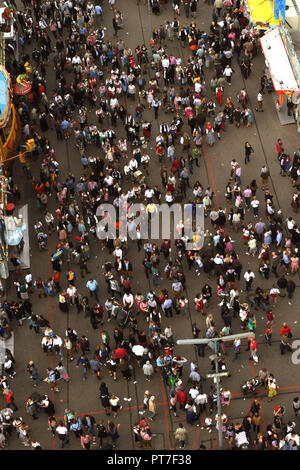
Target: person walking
83, 360
296, 406
268, 335
156, 103
31, 408
255, 205
114, 404
32, 370
92, 286
249, 276
253, 349
264, 175
228, 73
248, 151
148, 370
237, 348
63, 434
113, 432
104, 397
52, 378
181, 435
152, 407
85, 441
260, 99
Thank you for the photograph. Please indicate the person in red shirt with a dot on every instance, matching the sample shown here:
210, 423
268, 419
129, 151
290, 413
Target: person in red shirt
253, 347
39, 188
181, 398
270, 318
56, 279
279, 148
41, 89
268, 335
285, 330
10, 400
175, 166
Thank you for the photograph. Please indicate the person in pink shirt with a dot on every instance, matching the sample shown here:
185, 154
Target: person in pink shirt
247, 196
238, 173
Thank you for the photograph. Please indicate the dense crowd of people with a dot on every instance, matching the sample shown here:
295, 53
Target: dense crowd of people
97, 71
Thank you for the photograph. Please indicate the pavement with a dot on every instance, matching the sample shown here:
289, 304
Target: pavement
82, 396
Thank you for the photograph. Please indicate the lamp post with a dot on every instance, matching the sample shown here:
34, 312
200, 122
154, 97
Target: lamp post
217, 375
150, 20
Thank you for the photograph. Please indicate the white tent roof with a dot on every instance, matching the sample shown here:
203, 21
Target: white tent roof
278, 62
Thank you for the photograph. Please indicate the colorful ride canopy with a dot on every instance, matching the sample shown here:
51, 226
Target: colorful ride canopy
5, 96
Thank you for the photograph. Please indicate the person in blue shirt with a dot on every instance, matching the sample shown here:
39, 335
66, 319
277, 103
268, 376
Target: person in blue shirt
83, 360
82, 32
76, 427
162, 366
98, 13
92, 285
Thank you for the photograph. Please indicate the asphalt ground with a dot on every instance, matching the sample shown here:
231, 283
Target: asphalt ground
82, 397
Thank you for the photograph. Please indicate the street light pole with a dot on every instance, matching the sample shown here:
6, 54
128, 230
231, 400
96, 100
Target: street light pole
217, 376
150, 21
218, 401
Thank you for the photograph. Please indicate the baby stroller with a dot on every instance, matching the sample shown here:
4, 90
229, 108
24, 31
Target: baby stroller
138, 176
250, 386
241, 440
122, 317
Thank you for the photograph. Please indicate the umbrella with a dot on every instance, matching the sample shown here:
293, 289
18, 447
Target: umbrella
138, 350
35, 396
120, 353
22, 88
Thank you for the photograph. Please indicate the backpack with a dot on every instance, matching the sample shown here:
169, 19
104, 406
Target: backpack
23, 289
57, 374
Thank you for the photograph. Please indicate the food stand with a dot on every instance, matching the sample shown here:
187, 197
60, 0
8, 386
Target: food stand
283, 65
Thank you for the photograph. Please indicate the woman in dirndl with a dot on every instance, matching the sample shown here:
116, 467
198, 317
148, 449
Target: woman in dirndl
210, 138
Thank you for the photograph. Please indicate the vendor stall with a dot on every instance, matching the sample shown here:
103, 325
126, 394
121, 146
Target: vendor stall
283, 65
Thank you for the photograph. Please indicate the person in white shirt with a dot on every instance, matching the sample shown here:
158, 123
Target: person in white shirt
255, 205
201, 401
126, 169
71, 291
149, 194
118, 253
128, 300
58, 346
193, 392
133, 164
165, 62
294, 437
228, 72
109, 180
76, 60
131, 90
47, 344
259, 102
62, 432
290, 223
197, 87
249, 276
251, 246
